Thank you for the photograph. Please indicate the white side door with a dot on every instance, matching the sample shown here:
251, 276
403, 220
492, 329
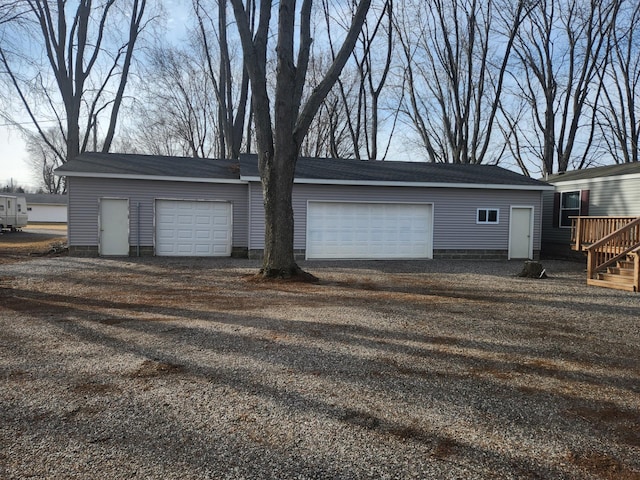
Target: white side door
521, 233
114, 226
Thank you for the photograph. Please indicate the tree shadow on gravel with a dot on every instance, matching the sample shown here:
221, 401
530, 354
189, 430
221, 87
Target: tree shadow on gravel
477, 377
361, 421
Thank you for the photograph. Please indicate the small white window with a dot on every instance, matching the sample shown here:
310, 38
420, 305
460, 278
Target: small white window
488, 215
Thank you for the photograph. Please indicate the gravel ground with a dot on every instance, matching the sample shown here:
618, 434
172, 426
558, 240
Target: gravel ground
190, 369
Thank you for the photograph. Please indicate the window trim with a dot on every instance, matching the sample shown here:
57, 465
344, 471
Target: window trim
487, 221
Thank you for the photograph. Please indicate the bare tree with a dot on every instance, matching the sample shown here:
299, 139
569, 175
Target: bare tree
620, 109
230, 82
329, 134
561, 47
12, 11
282, 126
361, 91
193, 101
176, 106
12, 187
455, 57
86, 72
512, 118
44, 162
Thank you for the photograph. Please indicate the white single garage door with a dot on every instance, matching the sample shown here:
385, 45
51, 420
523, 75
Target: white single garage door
193, 228
369, 230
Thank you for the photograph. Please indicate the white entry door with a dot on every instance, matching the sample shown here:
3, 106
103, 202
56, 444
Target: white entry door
369, 230
114, 226
193, 228
521, 233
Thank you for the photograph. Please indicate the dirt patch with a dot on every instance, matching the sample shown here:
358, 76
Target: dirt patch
623, 423
19, 246
150, 368
92, 388
603, 466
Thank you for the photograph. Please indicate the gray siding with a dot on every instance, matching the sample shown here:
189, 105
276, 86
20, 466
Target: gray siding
84, 194
454, 212
610, 196
551, 234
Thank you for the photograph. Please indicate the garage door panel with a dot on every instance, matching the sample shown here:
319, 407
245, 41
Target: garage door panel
368, 230
203, 250
193, 228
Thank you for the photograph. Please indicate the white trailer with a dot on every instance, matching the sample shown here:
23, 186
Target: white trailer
13, 212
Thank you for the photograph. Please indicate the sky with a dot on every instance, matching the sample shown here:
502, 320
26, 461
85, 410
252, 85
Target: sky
13, 159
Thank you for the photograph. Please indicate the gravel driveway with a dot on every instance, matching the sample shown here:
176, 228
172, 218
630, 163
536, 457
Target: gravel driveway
189, 369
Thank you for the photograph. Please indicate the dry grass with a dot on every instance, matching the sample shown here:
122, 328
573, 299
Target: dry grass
60, 227
19, 246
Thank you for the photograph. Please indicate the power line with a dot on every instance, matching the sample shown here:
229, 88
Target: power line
13, 124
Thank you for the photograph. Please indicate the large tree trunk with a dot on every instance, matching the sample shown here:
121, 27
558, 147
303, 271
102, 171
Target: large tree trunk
277, 186
279, 142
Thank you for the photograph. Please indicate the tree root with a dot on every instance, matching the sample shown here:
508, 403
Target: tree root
294, 274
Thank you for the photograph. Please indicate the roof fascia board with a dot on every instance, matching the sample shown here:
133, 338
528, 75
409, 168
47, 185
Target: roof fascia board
150, 177
380, 183
628, 176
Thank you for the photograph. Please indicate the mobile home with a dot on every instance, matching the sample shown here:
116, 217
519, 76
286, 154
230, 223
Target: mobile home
13, 212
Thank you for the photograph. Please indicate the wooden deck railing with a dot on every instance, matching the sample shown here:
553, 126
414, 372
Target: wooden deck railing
636, 269
586, 231
613, 247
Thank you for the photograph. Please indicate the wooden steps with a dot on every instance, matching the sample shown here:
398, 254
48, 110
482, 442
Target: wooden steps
620, 277
612, 245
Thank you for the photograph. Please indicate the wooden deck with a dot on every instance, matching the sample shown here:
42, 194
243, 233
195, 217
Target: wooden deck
612, 245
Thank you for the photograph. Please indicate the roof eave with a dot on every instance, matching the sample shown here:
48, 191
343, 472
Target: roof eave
627, 176
124, 176
384, 183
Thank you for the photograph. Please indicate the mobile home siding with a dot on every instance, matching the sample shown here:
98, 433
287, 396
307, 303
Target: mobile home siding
615, 196
84, 195
454, 212
608, 196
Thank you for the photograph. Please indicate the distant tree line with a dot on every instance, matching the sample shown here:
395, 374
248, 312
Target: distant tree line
12, 187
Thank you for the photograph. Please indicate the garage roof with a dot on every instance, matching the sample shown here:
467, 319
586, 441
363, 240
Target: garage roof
134, 166
367, 172
45, 199
308, 170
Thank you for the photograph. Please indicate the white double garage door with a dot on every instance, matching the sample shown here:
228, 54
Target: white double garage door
355, 230
335, 230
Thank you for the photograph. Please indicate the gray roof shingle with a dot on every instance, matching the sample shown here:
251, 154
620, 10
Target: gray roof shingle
151, 165
320, 169
392, 171
45, 199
